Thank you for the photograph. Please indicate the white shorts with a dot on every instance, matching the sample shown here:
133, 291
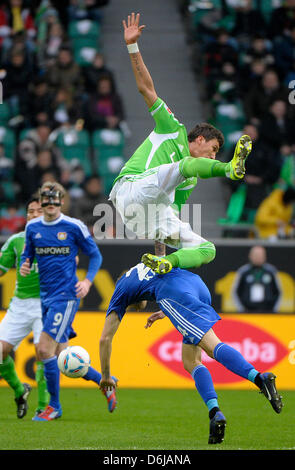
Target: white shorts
22, 317
144, 204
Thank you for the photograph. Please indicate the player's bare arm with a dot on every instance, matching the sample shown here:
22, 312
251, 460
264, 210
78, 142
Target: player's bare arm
144, 81
105, 349
154, 317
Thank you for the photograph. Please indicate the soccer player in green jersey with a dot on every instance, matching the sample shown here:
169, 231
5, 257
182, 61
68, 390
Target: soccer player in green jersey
163, 172
23, 316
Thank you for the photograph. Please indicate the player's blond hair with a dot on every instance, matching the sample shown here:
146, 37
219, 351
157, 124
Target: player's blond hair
53, 185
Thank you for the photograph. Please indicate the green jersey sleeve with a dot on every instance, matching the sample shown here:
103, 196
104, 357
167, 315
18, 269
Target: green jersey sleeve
7, 255
183, 191
164, 119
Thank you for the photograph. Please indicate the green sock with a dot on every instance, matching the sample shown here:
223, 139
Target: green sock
7, 371
41, 385
203, 167
192, 257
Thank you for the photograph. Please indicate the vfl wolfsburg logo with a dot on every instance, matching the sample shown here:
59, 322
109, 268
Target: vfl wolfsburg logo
62, 235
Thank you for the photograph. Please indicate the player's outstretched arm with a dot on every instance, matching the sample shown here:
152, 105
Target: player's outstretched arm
105, 349
154, 317
145, 84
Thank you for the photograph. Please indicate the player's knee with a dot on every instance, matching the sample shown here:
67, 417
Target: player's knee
189, 365
6, 348
209, 252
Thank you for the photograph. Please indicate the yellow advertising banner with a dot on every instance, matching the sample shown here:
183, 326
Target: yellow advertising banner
152, 358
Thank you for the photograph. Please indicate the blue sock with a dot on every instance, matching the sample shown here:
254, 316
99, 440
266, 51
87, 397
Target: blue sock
234, 361
204, 385
52, 374
93, 375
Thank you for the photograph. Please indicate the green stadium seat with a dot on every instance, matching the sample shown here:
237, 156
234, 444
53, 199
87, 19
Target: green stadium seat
108, 146
8, 140
75, 146
85, 37
5, 114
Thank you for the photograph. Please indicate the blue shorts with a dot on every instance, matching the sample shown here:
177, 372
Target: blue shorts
58, 318
191, 317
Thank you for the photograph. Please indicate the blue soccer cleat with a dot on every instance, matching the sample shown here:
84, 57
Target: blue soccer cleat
217, 428
49, 414
269, 390
111, 397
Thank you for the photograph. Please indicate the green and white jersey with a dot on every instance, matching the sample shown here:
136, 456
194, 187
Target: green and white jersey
167, 143
10, 255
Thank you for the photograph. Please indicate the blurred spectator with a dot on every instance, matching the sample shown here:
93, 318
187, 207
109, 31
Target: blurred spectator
262, 169
105, 107
284, 49
19, 73
221, 50
62, 106
12, 220
276, 128
28, 150
257, 287
55, 39
260, 97
93, 194
282, 18
260, 49
86, 9
16, 24
253, 74
248, 21
274, 216
39, 102
287, 176
64, 73
92, 73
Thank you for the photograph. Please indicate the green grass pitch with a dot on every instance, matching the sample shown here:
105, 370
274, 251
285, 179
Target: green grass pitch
149, 419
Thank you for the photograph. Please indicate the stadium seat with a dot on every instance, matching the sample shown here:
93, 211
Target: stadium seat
75, 146
108, 146
5, 114
8, 140
85, 37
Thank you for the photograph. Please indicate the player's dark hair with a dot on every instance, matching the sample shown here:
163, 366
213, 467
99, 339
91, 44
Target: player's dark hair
207, 131
32, 199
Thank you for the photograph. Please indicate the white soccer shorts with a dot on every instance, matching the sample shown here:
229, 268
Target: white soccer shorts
144, 204
22, 317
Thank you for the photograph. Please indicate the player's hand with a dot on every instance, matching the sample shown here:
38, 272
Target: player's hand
82, 288
132, 30
154, 317
107, 384
25, 268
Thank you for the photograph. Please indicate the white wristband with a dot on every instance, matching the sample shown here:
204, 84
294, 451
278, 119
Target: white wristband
132, 48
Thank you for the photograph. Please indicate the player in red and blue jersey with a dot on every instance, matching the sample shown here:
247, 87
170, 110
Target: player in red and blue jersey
185, 299
54, 240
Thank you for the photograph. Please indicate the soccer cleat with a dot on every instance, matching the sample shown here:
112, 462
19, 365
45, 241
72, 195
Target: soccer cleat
217, 428
22, 402
237, 164
269, 390
111, 398
48, 414
158, 264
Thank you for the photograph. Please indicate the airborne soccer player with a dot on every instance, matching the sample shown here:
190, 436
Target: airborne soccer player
185, 299
164, 171
23, 316
54, 240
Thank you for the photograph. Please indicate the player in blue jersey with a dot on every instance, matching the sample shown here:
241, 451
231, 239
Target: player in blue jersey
54, 239
185, 299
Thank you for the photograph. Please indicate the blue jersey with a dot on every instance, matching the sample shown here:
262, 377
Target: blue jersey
55, 246
181, 295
